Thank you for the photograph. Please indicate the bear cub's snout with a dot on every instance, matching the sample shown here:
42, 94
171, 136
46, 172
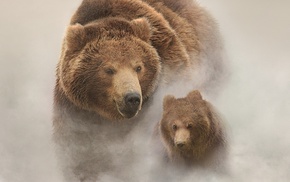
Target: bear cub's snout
182, 138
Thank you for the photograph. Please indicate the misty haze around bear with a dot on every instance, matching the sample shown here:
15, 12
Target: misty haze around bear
255, 101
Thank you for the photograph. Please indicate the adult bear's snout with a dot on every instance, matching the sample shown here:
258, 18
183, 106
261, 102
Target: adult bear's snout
130, 105
132, 100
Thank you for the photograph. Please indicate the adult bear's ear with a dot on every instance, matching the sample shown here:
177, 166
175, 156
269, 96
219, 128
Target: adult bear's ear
194, 95
75, 37
142, 28
168, 100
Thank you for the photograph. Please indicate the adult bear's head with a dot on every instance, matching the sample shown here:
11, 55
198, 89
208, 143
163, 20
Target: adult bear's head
109, 66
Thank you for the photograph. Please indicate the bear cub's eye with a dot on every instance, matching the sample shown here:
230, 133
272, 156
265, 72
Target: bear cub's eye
174, 127
110, 71
138, 69
189, 126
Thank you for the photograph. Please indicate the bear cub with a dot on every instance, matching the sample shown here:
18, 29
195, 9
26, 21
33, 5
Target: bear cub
191, 132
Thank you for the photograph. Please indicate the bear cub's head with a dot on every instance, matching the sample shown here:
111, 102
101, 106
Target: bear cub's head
185, 126
108, 66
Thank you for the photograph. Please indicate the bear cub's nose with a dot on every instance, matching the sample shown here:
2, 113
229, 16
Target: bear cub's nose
180, 144
132, 100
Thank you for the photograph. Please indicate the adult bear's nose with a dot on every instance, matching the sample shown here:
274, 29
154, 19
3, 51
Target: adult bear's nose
132, 100
131, 104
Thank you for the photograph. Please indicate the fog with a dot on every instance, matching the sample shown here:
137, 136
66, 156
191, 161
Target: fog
255, 101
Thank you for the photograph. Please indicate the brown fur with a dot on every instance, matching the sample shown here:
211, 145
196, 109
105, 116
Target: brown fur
191, 131
115, 47
83, 72
164, 38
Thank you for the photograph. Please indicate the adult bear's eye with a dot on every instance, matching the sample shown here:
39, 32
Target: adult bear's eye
110, 71
138, 69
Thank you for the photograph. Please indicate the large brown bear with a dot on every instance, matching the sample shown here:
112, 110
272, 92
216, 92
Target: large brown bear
114, 55
192, 132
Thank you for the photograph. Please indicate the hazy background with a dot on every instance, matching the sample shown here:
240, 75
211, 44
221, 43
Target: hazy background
255, 102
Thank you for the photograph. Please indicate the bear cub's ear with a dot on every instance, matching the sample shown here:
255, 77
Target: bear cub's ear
168, 100
194, 96
142, 28
75, 37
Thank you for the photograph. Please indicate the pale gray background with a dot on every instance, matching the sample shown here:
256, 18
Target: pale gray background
255, 102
